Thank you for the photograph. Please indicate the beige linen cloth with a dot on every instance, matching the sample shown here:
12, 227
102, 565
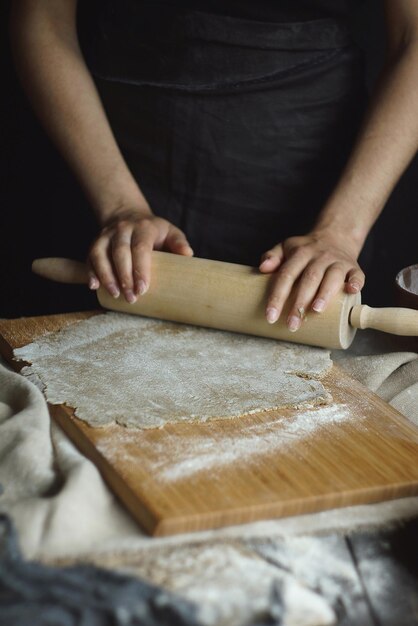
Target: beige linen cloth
64, 512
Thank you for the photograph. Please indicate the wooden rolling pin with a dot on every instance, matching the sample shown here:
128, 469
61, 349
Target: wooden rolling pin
233, 297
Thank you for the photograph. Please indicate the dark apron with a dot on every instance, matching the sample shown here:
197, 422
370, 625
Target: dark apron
236, 130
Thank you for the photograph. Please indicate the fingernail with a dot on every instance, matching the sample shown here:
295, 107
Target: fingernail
318, 305
142, 287
355, 286
293, 323
272, 315
130, 296
93, 283
114, 291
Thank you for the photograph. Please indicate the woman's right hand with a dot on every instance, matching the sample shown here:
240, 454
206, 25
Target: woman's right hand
120, 257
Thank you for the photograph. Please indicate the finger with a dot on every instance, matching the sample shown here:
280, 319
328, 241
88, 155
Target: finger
92, 281
271, 259
333, 281
355, 280
122, 260
100, 263
142, 245
285, 278
308, 286
176, 242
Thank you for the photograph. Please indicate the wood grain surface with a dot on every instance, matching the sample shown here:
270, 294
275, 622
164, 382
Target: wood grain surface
370, 457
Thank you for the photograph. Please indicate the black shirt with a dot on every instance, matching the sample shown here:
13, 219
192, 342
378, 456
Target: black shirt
135, 40
265, 10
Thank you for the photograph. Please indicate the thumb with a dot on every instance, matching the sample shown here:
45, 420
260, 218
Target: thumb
176, 242
271, 259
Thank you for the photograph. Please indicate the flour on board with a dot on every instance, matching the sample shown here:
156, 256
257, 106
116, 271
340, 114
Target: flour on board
144, 373
188, 455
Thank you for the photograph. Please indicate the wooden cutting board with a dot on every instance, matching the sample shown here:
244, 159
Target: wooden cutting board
189, 477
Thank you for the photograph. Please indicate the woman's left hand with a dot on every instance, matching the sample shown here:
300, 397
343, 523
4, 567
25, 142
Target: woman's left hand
320, 263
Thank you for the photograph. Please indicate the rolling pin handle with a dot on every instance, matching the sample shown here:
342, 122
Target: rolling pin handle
61, 270
395, 320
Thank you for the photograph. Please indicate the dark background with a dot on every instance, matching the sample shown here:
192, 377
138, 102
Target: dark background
43, 211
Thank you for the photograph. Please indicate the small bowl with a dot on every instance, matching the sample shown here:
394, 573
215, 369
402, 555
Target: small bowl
406, 283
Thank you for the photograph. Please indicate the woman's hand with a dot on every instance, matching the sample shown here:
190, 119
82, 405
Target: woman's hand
120, 257
326, 258
320, 263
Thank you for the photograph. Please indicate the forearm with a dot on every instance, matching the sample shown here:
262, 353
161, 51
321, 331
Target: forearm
62, 92
326, 258
385, 146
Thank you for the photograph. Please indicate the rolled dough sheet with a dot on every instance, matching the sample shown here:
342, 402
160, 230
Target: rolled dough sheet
144, 373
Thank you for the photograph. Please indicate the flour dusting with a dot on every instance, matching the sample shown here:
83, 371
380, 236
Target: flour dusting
191, 455
232, 585
258, 440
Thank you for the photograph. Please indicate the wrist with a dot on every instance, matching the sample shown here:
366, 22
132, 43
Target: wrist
344, 236
349, 213
125, 210
113, 191
115, 206
339, 223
